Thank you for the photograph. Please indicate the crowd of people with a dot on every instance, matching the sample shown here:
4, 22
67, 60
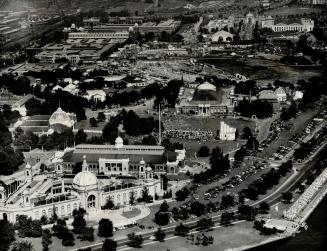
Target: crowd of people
293, 213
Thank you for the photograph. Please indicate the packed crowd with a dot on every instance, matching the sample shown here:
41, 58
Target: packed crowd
294, 211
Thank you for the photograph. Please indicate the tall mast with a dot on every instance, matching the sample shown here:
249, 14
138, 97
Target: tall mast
159, 126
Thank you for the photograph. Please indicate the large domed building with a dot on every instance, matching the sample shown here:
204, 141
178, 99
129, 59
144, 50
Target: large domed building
63, 192
205, 99
61, 120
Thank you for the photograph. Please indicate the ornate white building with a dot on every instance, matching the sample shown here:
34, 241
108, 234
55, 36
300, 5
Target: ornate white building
301, 25
121, 160
226, 132
39, 194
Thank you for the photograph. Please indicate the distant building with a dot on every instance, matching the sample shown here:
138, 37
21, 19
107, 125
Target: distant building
298, 25
297, 95
265, 3
96, 95
168, 26
20, 105
226, 132
222, 37
281, 94
204, 100
61, 120
120, 159
98, 35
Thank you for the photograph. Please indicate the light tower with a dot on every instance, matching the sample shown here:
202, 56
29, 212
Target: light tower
159, 140
155, 6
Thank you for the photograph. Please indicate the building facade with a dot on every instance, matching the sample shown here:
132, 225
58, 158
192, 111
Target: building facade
40, 194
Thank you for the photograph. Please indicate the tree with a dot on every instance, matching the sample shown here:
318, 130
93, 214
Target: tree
7, 234
60, 229
46, 239
80, 137
226, 218
288, 197
164, 182
134, 240
264, 207
227, 201
182, 194
68, 239
109, 204
247, 212
79, 224
132, 198
203, 151
105, 228
22, 246
160, 235
181, 230
28, 227
205, 224
93, 122
197, 208
162, 218
109, 245
164, 207
247, 133
145, 195
87, 234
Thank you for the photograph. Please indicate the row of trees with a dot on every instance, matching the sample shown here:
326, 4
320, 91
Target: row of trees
261, 109
10, 159
266, 181
219, 164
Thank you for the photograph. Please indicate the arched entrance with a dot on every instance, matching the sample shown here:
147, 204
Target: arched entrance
91, 201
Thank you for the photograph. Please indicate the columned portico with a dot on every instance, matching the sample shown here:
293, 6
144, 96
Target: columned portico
114, 166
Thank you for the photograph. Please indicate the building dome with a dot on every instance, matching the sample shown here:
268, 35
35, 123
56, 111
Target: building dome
149, 169
85, 180
142, 162
119, 142
207, 87
62, 118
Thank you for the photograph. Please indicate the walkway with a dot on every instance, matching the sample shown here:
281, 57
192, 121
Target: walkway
116, 216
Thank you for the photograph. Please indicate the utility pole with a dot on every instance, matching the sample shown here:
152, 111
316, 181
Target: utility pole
159, 140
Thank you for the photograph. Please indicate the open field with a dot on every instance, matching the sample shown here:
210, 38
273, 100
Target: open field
224, 238
262, 69
292, 10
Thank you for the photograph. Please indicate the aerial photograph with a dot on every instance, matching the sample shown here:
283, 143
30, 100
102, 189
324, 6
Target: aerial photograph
163, 125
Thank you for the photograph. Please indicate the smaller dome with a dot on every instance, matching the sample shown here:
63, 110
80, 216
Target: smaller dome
85, 180
26, 192
142, 162
2, 188
28, 166
119, 142
149, 169
207, 86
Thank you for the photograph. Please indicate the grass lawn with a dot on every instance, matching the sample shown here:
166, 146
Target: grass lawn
132, 213
233, 236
